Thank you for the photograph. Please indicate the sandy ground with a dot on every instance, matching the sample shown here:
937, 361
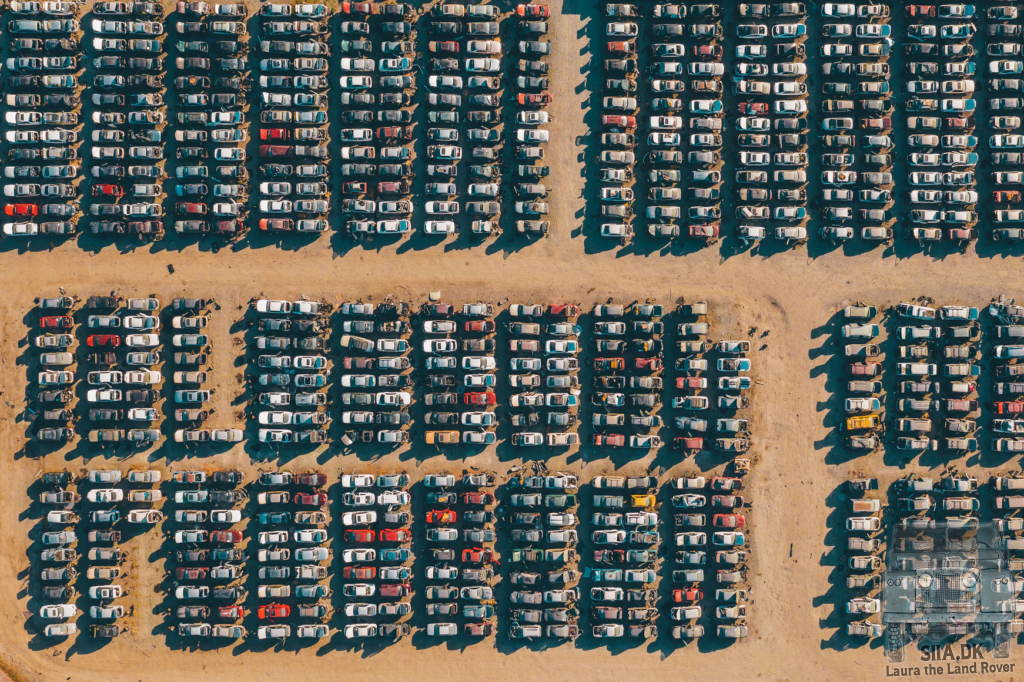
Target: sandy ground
792, 294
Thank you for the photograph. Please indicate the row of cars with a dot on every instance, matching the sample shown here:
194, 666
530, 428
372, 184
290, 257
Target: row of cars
1005, 67
627, 382
732, 365
940, 120
211, 79
460, 533
292, 527
204, 512
771, 81
532, 98
857, 140
623, 593
293, 62
81, 532
128, 110
695, 535
544, 347
377, 123
542, 513
461, 370
373, 506
378, 391
41, 119
290, 367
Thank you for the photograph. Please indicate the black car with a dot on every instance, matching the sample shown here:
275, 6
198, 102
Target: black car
357, 116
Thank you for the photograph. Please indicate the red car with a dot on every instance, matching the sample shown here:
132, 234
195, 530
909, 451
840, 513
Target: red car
359, 572
753, 108
195, 573
311, 499
704, 231
728, 521
486, 398
620, 47
1008, 196
394, 535
442, 516
617, 121
649, 364
446, 46
364, 8
359, 363
708, 51
228, 226
313, 479
56, 322
395, 133
477, 498
688, 443
568, 309
233, 612
268, 151
272, 134
920, 10
613, 440
476, 555
959, 123
183, 208
361, 535
353, 187
608, 364
107, 191
230, 536
20, 210
395, 590
691, 383
1015, 407
884, 123
479, 326
100, 340
961, 234
534, 100
534, 11
690, 594
274, 611
393, 187
277, 224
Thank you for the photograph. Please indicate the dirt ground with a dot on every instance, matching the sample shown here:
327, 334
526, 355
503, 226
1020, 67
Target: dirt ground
791, 294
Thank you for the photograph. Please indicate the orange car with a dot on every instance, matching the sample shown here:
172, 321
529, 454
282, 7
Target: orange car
274, 611
441, 516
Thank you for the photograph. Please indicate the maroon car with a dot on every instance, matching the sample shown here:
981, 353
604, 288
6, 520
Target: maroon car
100, 340
277, 224
186, 208
269, 151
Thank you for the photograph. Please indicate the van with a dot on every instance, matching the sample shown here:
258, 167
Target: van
916, 425
865, 506
1009, 483
1015, 502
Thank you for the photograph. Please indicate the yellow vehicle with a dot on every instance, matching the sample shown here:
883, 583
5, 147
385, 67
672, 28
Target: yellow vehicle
644, 501
865, 422
442, 437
